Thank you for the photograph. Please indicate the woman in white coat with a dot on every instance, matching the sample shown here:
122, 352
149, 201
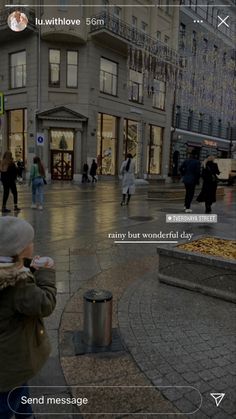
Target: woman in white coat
127, 171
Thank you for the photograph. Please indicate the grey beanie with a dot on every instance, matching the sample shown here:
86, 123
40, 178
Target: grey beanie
15, 235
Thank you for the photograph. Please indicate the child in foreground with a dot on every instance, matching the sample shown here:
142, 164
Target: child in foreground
25, 298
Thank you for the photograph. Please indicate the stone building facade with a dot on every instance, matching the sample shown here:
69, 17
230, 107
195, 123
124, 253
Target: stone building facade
94, 90
204, 117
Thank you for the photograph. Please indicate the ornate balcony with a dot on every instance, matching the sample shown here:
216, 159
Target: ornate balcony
116, 33
6, 34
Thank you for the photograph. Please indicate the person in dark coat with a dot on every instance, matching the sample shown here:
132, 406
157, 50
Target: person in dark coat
85, 173
190, 170
8, 177
93, 171
209, 174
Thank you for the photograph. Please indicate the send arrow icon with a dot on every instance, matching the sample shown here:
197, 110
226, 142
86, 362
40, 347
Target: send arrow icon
218, 397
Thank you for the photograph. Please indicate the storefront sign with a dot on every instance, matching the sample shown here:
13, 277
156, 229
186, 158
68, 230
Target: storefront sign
209, 143
40, 139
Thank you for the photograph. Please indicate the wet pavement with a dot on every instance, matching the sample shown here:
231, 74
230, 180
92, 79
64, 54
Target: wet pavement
170, 337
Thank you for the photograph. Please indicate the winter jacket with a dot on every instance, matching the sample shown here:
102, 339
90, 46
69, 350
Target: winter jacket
128, 177
190, 170
10, 175
25, 298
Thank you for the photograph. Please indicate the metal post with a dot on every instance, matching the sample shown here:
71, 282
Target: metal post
97, 329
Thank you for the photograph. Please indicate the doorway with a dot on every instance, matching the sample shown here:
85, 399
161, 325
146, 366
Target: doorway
62, 165
62, 154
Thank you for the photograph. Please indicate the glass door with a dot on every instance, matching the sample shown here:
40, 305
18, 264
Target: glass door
62, 153
62, 165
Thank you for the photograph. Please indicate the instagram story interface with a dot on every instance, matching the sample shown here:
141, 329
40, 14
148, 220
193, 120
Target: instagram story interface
118, 198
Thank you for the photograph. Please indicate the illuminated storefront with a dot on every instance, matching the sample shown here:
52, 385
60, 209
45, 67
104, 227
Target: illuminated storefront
130, 143
154, 150
17, 134
107, 144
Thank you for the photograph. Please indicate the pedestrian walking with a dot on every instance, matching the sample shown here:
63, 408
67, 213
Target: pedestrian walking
127, 171
93, 171
37, 178
25, 298
8, 177
85, 173
210, 171
20, 170
190, 170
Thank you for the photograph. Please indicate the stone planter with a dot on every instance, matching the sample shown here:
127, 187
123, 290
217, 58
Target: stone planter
198, 272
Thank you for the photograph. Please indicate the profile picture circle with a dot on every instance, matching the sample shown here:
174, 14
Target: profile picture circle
17, 21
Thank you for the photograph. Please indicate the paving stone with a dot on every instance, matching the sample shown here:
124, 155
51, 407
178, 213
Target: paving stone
185, 406
173, 394
229, 406
206, 375
191, 377
222, 415
202, 386
194, 397
209, 408
199, 415
218, 372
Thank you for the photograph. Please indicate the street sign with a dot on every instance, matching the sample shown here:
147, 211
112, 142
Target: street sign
1, 103
40, 139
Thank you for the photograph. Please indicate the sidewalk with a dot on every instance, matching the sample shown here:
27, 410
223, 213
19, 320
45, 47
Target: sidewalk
169, 336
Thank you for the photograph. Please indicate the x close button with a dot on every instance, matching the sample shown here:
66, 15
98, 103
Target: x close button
223, 21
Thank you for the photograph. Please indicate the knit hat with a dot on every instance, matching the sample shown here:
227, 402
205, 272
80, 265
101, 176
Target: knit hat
15, 235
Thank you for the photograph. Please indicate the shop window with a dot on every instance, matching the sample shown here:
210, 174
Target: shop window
18, 69
154, 150
17, 133
62, 139
159, 94
108, 77
130, 143
72, 69
54, 67
135, 86
106, 144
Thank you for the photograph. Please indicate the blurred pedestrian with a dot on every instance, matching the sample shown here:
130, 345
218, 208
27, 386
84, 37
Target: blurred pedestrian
93, 171
37, 177
210, 171
20, 170
190, 171
85, 173
127, 171
25, 298
8, 177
